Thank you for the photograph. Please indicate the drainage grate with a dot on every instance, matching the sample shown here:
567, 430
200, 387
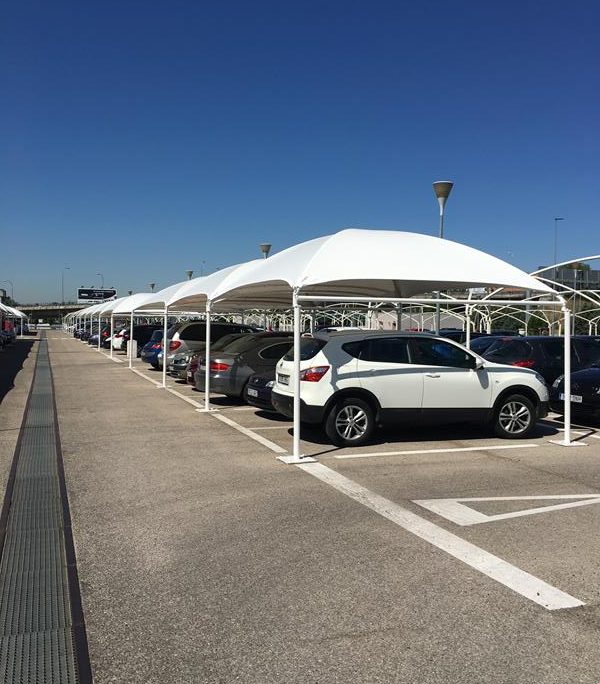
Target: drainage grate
38, 630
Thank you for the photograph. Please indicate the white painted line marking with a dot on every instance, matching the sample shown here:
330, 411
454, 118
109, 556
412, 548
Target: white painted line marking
455, 510
497, 569
245, 431
188, 399
244, 408
273, 427
412, 452
143, 375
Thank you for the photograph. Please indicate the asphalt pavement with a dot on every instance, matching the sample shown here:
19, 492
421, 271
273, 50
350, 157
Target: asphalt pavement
202, 558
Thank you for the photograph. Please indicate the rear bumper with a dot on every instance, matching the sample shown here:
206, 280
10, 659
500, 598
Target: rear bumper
284, 404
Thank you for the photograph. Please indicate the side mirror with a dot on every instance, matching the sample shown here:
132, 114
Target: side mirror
478, 363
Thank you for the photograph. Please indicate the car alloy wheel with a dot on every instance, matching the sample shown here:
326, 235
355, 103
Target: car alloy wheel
350, 422
514, 417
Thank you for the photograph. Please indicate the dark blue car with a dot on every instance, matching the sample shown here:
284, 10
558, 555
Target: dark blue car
151, 349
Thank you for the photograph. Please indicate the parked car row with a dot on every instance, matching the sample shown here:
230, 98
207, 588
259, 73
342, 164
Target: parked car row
354, 381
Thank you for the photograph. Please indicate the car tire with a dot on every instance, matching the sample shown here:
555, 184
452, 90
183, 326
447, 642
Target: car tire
350, 422
514, 417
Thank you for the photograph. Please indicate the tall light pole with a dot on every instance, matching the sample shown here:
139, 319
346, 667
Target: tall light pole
442, 191
556, 220
102, 282
12, 290
265, 248
189, 274
62, 283
152, 286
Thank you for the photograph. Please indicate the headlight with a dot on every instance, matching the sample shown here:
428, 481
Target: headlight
557, 382
270, 383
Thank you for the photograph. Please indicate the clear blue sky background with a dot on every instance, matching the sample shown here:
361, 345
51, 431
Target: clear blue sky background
141, 139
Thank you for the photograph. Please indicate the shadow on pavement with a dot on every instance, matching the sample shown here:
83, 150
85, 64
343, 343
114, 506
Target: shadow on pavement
11, 362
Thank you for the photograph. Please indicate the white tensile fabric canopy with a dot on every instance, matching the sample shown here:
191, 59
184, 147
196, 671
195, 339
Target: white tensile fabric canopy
370, 263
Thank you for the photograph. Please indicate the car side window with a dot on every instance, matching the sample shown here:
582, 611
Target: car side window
353, 348
588, 350
275, 351
439, 353
555, 350
385, 350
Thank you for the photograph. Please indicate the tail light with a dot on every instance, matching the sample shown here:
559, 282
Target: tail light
218, 367
174, 344
525, 363
313, 374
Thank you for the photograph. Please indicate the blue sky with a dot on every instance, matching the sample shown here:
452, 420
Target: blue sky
142, 139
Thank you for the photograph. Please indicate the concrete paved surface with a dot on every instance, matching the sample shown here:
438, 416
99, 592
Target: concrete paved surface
204, 559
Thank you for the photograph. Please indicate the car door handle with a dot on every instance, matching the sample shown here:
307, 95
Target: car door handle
433, 375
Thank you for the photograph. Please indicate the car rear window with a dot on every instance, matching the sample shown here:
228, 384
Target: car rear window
505, 351
275, 351
309, 348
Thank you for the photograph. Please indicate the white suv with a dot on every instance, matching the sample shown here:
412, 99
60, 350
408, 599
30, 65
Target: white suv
351, 382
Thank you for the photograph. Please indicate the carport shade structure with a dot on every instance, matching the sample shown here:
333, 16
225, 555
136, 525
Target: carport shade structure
356, 265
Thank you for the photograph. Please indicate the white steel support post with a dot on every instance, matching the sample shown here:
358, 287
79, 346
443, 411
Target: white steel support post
566, 441
112, 331
207, 360
165, 348
468, 327
99, 318
296, 457
130, 346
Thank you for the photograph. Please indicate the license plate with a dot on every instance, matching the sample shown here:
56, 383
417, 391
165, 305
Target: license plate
252, 392
575, 398
190, 376
283, 379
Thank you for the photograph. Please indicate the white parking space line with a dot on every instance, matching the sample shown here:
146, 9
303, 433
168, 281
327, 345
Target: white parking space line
514, 578
249, 433
411, 452
456, 511
245, 408
273, 427
197, 404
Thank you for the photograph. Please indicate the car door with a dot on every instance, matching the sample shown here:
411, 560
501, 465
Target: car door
452, 386
384, 370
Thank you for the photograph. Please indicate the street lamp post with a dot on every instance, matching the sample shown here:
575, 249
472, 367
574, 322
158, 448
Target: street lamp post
102, 281
556, 220
442, 190
265, 248
152, 286
189, 274
62, 283
12, 290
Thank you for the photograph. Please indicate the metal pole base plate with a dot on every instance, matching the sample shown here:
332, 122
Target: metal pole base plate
290, 459
562, 442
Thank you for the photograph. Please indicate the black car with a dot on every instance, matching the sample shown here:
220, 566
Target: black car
480, 344
585, 394
141, 334
258, 390
544, 354
459, 336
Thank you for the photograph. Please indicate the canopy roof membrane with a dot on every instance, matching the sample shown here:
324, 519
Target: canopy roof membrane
369, 263
11, 311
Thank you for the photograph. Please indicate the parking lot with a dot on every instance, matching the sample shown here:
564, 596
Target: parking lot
443, 555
